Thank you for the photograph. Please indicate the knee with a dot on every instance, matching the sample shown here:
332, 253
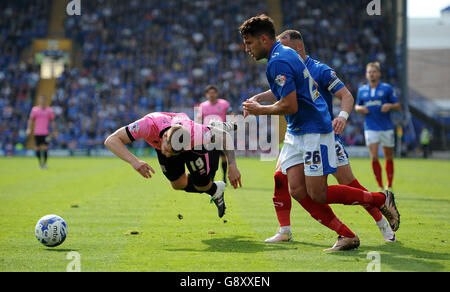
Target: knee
204, 188
178, 186
298, 192
319, 199
318, 195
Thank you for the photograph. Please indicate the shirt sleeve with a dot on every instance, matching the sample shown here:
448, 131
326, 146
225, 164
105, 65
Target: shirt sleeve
139, 129
283, 79
229, 108
392, 97
331, 81
359, 100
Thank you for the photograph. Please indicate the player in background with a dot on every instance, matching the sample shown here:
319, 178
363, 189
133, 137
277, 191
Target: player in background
176, 139
214, 108
376, 100
329, 85
38, 124
308, 154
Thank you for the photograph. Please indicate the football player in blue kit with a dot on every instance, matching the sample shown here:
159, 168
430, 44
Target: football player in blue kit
329, 85
376, 100
308, 154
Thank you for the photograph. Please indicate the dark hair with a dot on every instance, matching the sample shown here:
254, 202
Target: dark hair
293, 34
209, 87
258, 25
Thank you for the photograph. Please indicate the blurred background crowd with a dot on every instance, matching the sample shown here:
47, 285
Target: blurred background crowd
142, 56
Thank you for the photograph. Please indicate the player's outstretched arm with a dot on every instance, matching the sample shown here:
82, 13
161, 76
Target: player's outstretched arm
224, 139
266, 96
347, 102
362, 109
390, 106
285, 106
116, 144
30, 126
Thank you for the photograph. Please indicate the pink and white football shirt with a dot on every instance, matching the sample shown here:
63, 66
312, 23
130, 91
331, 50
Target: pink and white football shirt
42, 118
151, 126
217, 111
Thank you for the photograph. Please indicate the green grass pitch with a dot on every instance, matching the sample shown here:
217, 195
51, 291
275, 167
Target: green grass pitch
102, 199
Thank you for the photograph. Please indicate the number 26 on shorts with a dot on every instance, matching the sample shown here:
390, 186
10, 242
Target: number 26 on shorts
312, 157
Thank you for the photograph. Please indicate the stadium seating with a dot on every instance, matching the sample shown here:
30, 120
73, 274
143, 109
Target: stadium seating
20, 22
140, 56
332, 33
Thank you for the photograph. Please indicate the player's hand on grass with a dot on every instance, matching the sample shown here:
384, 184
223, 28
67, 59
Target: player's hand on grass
234, 176
339, 125
143, 168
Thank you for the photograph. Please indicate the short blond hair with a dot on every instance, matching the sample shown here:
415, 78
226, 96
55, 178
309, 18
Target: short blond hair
375, 65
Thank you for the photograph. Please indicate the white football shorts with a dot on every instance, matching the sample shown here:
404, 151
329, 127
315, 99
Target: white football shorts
341, 154
384, 138
316, 151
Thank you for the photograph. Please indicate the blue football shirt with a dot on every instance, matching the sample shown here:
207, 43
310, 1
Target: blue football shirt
373, 99
327, 81
287, 72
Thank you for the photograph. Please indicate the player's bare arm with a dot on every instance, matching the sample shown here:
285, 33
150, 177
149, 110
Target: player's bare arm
347, 102
285, 106
390, 106
225, 140
266, 96
54, 132
362, 109
116, 144
30, 126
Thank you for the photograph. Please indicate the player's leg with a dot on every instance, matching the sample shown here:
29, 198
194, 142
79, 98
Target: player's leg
372, 142
202, 168
282, 203
321, 161
38, 142
344, 176
389, 156
294, 161
44, 151
224, 165
388, 143
321, 212
376, 166
173, 169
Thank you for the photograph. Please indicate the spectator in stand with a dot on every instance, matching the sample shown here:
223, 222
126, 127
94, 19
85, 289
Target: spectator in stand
140, 56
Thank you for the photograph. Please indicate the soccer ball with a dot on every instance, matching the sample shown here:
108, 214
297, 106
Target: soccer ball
51, 230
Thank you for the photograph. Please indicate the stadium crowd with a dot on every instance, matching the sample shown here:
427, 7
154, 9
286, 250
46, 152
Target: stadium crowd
20, 22
140, 56
342, 35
